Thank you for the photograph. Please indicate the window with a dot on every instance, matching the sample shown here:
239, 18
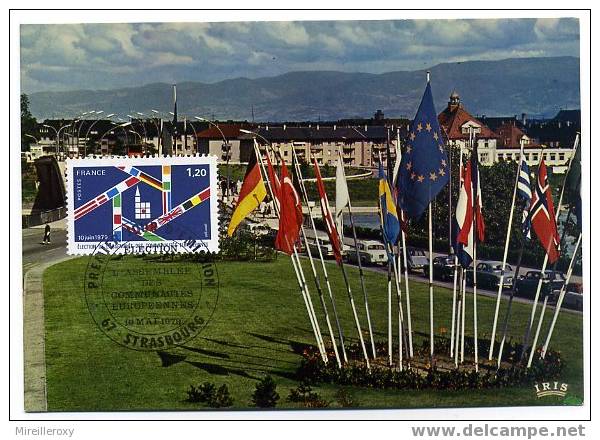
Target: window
561, 156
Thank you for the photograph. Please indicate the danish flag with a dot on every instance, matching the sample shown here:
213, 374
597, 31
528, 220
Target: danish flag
542, 215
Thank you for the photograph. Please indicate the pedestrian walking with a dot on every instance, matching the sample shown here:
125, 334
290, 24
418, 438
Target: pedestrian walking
46, 234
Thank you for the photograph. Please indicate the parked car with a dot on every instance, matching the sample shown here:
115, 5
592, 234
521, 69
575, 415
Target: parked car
573, 296
325, 245
370, 251
257, 229
443, 268
488, 275
527, 284
417, 259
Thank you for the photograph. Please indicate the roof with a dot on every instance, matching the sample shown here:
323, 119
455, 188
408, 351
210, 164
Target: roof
509, 136
454, 117
317, 133
230, 131
573, 116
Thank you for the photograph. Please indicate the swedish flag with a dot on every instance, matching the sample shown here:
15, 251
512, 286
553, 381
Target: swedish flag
387, 210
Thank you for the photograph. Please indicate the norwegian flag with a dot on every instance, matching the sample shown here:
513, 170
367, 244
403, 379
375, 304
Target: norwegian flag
332, 232
542, 215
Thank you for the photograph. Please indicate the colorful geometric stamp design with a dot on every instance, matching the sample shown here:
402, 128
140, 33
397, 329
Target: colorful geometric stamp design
141, 203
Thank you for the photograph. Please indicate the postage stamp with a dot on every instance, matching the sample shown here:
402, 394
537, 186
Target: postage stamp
130, 201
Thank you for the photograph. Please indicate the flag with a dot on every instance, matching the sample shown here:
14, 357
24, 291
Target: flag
275, 184
387, 210
573, 185
334, 238
463, 243
542, 215
424, 169
290, 214
252, 193
342, 197
524, 191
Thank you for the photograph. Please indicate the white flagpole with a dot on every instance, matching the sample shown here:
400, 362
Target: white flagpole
389, 279
505, 256
475, 204
545, 263
464, 305
456, 335
561, 297
326, 276
407, 288
537, 331
389, 314
351, 296
431, 343
400, 313
455, 325
297, 269
310, 257
543, 311
360, 268
405, 260
356, 321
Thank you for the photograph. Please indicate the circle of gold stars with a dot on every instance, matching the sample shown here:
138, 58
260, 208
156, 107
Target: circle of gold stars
434, 175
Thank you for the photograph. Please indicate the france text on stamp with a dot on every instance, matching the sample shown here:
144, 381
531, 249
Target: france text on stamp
131, 201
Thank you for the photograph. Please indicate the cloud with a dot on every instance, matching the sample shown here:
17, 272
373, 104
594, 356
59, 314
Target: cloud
100, 56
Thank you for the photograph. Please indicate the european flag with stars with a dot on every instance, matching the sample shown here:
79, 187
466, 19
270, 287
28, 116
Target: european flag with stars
424, 168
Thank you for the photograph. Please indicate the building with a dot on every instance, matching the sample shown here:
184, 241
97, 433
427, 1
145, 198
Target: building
225, 139
500, 138
457, 123
359, 146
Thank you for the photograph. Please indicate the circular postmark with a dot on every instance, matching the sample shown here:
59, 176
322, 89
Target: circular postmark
151, 301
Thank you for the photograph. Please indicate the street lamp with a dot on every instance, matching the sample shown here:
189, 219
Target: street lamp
57, 133
158, 130
226, 145
99, 112
124, 124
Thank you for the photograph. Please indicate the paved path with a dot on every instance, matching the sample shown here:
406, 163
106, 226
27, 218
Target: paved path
36, 259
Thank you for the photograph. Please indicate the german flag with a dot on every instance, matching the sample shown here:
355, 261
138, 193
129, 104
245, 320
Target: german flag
252, 193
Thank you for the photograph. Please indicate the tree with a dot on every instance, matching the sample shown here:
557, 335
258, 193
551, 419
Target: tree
28, 124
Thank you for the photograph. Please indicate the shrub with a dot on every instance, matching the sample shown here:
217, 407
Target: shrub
265, 395
312, 370
221, 398
305, 395
204, 393
344, 399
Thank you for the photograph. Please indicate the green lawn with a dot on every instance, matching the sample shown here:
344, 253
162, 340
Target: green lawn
259, 321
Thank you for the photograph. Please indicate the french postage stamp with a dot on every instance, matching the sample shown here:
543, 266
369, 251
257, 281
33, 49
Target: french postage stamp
131, 200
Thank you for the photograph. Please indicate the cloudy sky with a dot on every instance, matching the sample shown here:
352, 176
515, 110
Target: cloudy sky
104, 56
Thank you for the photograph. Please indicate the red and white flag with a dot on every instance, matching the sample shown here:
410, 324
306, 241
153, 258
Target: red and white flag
290, 214
464, 215
334, 238
542, 215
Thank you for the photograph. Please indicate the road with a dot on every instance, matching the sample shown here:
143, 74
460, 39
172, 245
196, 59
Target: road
418, 277
34, 252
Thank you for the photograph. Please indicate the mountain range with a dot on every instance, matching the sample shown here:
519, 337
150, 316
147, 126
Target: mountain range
536, 86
